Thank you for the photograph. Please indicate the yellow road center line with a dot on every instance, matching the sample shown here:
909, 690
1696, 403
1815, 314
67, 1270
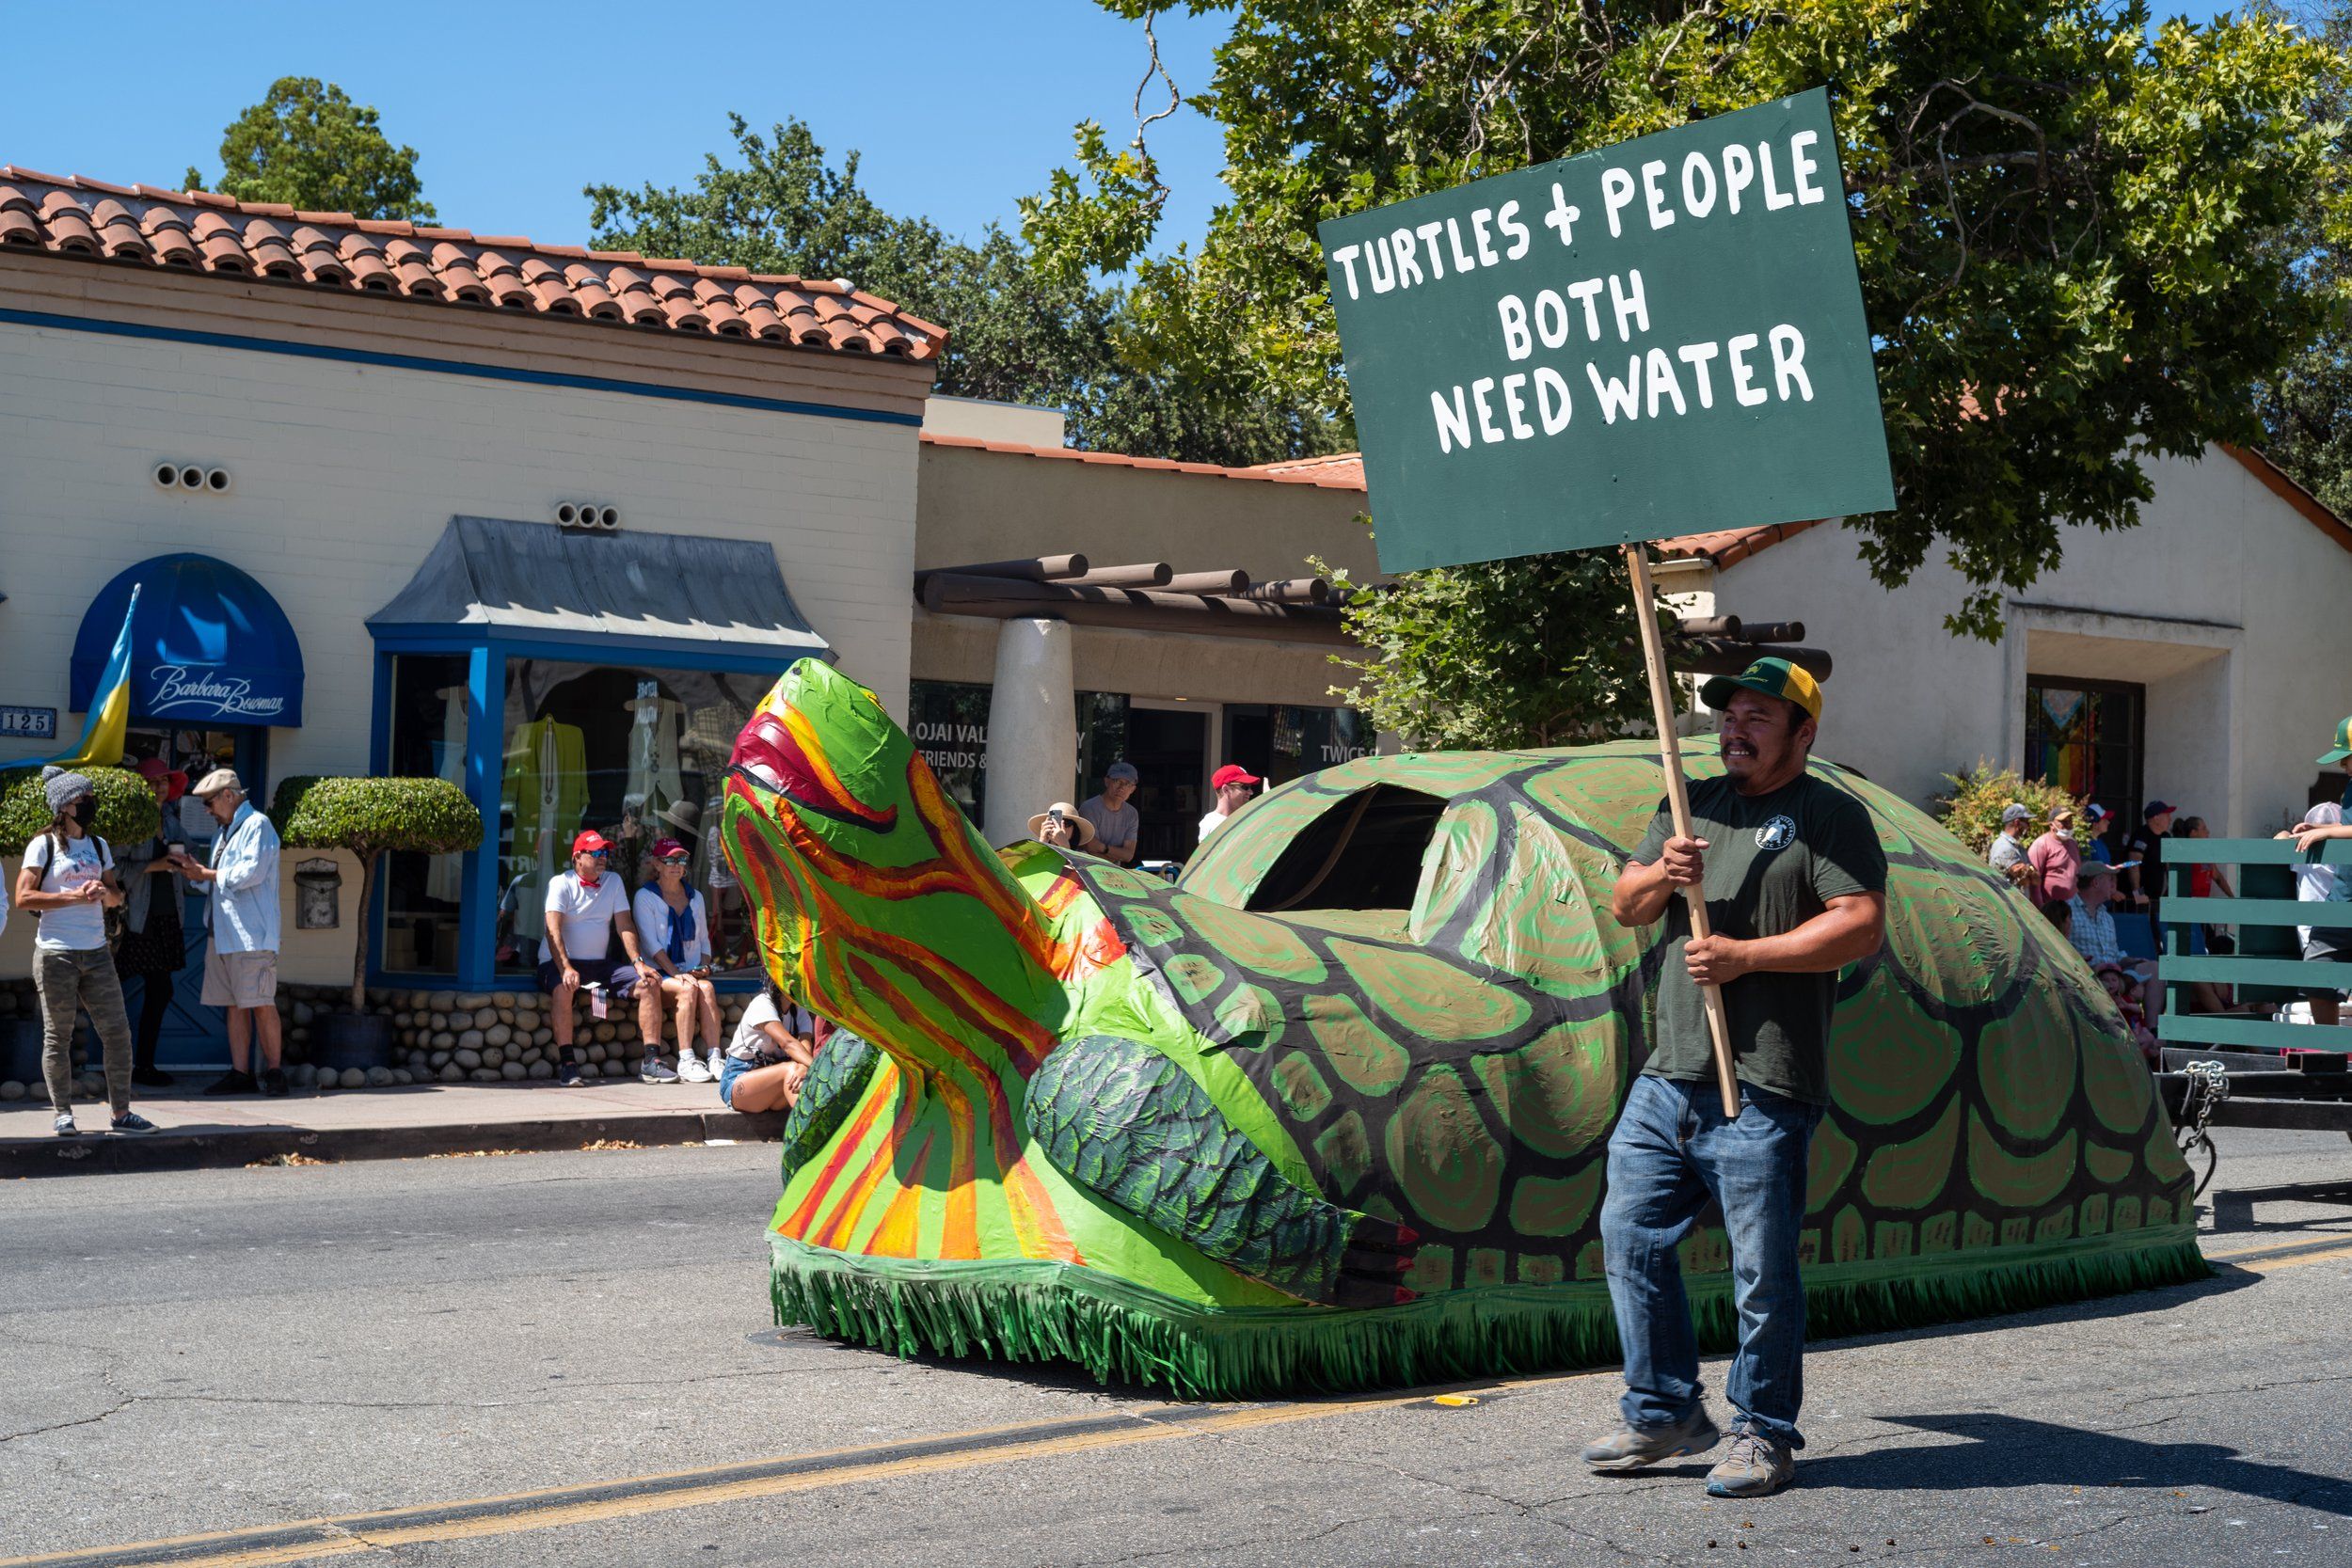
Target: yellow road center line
555, 1508
2272, 1265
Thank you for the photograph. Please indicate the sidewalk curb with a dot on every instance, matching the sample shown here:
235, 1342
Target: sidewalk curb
95, 1154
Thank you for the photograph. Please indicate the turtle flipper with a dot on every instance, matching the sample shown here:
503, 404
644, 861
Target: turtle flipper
1128, 1123
827, 1095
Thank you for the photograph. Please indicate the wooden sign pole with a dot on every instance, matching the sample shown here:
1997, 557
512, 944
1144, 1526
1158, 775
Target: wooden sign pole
1679, 804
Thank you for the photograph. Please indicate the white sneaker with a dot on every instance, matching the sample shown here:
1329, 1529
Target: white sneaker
64, 1127
717, 1064
690, 1068
652, 1071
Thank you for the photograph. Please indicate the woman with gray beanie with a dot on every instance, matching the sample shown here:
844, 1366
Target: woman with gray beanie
68, 882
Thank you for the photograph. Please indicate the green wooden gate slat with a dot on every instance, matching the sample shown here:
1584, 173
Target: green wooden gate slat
2256, 912
2292, 973
2222, 1029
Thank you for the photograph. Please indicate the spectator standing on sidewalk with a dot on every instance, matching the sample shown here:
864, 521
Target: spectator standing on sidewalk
2143, 851
2006, 854
674, 929
2095, 821
2318, 882
586, 908
2056, 860
1116, 821
240, 881
68, 881
153, 947
1234, 784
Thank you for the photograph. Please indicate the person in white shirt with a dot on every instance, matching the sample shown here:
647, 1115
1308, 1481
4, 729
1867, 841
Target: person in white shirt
675, 933
239, 878
1234, 784
767, 1061
69, 881
586, 908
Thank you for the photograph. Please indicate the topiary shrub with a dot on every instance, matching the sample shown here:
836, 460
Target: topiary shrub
370, 817
127, 812
1972, 809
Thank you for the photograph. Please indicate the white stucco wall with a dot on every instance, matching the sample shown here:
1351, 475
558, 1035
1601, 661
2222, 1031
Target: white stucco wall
347, 474
2226, 602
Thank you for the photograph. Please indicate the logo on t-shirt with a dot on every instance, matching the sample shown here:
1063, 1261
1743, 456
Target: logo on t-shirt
1778, 833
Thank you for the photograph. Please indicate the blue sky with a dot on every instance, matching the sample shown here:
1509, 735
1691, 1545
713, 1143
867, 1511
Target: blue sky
958, 108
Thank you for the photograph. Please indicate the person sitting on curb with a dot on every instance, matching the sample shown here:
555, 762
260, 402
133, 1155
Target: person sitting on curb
239, 878
768, 1059
675, 929
1060, 825
585, 909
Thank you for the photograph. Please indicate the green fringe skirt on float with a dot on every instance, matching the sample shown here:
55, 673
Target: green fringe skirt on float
1122, 1333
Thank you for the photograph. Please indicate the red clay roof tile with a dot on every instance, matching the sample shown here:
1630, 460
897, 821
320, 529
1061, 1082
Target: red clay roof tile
205, 231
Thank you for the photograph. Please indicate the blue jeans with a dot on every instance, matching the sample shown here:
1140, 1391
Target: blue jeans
1672, 1150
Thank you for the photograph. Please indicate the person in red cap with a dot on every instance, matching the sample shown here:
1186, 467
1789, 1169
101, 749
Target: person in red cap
1234, 784
586, 908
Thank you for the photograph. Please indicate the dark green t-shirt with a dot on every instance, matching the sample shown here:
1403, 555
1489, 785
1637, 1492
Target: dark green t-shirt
1774, 862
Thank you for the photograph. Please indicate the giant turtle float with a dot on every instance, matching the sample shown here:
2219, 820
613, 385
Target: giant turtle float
1332, 1110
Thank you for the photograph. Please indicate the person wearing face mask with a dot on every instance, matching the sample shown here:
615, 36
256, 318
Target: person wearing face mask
239, 879
69, 881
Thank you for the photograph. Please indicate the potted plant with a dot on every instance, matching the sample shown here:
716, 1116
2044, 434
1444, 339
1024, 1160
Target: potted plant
369, 817
126, 814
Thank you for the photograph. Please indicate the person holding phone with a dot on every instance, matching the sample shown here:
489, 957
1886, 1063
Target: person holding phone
1060, 825
675, 929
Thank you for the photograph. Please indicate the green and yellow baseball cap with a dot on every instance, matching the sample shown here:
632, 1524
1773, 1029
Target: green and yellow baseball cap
1775, 678
2343, 747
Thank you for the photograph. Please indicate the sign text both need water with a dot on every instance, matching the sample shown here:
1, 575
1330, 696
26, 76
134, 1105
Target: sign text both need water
1657, 338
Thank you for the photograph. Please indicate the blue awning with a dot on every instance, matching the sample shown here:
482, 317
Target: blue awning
209, 645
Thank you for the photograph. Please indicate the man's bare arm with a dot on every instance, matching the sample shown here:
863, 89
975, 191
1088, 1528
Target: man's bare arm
1642, 892
1849, 930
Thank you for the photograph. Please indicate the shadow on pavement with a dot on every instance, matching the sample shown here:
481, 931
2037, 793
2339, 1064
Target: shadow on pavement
2004, 1451
2234, 1211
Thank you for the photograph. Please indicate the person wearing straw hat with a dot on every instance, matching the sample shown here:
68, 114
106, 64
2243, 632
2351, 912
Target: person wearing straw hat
1060, 825
1795, 884
240, 881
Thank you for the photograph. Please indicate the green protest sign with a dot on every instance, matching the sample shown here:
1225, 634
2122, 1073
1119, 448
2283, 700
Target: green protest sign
1657, 338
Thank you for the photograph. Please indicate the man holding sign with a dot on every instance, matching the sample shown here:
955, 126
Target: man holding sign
1795, 884
1663, 336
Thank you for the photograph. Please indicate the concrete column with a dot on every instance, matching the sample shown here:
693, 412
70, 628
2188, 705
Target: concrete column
1032, 726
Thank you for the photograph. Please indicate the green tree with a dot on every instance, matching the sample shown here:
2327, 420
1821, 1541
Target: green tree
2069, 230
1499, 654
306, 144
1016, 332
370, 817
2306, 406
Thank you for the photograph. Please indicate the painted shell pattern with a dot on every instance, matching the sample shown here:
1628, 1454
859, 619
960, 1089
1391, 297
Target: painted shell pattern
1232, 1147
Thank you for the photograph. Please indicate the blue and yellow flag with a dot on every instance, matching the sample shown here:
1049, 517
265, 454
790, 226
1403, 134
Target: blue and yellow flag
105, 731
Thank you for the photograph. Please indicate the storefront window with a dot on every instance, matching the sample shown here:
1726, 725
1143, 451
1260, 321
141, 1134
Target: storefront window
422, 892
949, 723
1279, 743
2084, 736
638, 754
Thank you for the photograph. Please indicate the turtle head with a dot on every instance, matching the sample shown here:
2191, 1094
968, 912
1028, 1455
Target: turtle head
877, 904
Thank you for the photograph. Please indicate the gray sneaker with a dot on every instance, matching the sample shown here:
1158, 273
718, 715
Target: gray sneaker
1631, 1447
1754, 1466
653, 1070
64, 1127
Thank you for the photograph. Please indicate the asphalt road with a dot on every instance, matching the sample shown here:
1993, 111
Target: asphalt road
248, 1349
